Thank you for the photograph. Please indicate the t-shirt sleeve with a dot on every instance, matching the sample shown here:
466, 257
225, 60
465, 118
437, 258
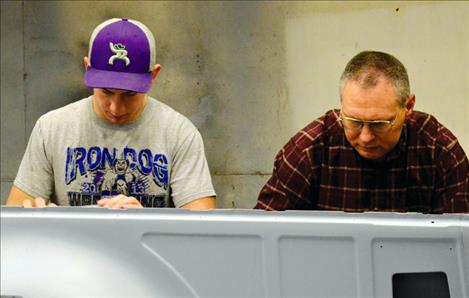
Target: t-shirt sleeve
190, 175
35, 175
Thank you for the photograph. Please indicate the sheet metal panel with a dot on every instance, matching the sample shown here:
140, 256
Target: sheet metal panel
95, 252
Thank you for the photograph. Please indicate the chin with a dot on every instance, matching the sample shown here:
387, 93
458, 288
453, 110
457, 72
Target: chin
117, 121
371, 154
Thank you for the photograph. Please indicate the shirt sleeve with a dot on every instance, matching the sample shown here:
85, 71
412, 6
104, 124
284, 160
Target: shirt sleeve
452, 181
190, 175
35, 175
290, 184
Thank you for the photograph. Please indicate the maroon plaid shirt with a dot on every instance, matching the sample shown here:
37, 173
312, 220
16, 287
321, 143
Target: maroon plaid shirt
426, 172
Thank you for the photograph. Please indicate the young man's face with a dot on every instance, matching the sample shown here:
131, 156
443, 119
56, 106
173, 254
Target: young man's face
375, 103
118, 106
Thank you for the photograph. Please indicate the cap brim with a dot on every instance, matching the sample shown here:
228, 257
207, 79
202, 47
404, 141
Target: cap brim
137, 82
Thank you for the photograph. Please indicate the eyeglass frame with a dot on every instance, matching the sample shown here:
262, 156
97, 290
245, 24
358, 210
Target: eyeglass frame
368, 122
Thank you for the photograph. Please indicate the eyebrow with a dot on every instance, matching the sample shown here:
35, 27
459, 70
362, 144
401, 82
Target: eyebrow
392, 118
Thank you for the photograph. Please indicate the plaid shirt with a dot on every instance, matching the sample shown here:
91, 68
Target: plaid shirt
427, 171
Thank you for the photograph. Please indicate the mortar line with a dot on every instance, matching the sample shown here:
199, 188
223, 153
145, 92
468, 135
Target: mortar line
26, 137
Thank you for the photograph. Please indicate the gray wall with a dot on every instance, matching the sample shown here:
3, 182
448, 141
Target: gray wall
248, 74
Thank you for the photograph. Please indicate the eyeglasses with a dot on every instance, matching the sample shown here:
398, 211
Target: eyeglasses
377, 126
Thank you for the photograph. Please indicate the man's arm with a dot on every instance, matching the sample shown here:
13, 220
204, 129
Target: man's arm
35, 173
17, 197
452, 182
201, 204
290, 184
190, 175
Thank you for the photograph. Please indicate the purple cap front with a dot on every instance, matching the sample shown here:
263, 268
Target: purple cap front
121, 56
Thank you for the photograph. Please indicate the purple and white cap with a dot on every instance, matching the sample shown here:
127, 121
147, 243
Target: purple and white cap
122, 55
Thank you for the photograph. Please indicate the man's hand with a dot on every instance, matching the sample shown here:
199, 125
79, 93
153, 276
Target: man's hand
119, 202
37, 203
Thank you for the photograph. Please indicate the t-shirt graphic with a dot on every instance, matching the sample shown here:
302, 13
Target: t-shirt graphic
96, 172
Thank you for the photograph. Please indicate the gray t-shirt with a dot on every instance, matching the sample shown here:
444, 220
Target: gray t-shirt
73, 158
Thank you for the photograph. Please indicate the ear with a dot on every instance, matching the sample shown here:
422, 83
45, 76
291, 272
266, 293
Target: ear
409, 105
155, 71
86, 63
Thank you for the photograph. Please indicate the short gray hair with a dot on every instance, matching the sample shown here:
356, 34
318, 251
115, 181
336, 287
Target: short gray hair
366, 68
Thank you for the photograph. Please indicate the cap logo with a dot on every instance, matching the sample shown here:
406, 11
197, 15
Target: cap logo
120, 53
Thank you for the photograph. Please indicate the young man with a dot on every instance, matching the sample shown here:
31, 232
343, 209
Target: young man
375, 154
118, 148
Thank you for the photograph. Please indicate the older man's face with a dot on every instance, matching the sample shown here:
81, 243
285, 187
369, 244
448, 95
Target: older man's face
375, 103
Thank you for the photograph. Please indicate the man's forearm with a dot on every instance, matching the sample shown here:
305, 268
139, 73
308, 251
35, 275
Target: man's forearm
17, 196
201, 204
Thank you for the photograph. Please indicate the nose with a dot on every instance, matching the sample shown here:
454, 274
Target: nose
366, 134
115, 106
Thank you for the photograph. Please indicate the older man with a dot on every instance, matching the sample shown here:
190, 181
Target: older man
374, 154
118, 148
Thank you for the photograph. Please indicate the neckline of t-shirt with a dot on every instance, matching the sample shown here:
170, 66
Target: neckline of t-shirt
105, 124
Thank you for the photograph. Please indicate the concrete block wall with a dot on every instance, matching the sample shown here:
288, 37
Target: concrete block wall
248, 74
